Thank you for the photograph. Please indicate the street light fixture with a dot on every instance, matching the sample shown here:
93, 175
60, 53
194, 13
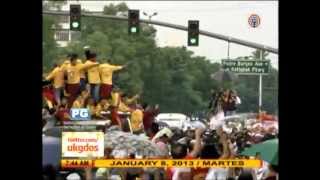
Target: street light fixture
150, 16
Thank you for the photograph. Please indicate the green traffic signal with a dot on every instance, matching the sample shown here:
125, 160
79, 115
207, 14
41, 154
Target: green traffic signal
75, 17
193, 33
133, 30
193, 40
75, 24
133, 21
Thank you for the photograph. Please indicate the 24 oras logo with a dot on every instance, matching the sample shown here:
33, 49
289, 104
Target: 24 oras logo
254, 20
80, 114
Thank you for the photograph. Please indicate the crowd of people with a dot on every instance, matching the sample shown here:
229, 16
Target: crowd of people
195, 144
77, 84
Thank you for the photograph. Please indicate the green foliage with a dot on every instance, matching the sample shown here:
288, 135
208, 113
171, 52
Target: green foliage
48, 43
171, 76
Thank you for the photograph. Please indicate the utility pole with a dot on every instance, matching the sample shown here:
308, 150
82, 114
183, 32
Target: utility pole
260, 86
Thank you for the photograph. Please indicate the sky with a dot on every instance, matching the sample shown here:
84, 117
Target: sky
228, 18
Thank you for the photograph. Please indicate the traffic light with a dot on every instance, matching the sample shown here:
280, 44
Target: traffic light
133, 22
193, 33
75, 17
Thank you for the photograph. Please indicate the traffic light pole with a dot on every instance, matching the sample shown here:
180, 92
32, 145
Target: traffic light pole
175, 26
260, 86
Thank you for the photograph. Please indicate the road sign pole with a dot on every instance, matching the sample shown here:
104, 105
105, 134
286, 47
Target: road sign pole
260, 87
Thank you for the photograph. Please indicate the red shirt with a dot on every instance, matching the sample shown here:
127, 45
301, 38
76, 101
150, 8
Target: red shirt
60, 115
48, 94
148, 117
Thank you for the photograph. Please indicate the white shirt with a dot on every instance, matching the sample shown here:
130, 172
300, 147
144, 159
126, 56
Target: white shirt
263, 171
238, 100
217, 120
176, 172
217, 174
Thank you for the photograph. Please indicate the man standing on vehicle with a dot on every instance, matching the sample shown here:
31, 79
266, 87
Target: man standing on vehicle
93, 76
57, 75
106, 71
73, 72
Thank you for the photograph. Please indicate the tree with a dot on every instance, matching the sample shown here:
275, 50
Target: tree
48, 44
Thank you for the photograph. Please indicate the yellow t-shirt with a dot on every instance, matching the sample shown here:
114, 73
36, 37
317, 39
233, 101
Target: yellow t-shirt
92, 109
115, 99
132, 100
65, 64
123, 107
58, 77
93, 73
100, 108
82, 72
136, 120
73, 73
106, 71
77, 104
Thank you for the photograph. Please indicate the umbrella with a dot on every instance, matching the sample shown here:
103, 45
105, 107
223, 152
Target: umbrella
53, 131
222, 75
123, 144
51, 151
267, 149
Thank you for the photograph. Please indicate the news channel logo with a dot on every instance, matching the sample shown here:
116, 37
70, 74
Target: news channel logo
80, 114
254, 20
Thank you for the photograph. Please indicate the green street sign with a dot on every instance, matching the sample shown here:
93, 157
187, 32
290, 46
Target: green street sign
247, 67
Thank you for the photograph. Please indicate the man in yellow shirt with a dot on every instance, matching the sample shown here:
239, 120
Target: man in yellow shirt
103, 105
73, 77
66, 63
57, 75
106, 71
114, 105
136, 120
93, 77
82, 77
80, 101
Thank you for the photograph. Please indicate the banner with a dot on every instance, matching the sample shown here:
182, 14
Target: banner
158, 163
82, 144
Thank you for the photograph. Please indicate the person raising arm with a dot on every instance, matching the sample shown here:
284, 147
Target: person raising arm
57, 76
106, 72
